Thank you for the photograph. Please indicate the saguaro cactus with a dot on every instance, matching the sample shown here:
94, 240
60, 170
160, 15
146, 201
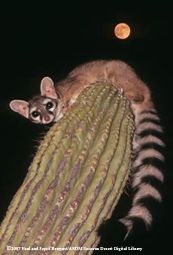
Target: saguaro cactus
75, 179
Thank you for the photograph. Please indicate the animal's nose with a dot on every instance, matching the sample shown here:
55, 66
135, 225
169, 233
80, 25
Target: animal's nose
47, 118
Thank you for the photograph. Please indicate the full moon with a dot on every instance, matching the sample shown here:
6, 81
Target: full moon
122, 30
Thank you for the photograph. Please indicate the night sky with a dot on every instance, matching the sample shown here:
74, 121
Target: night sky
51, 39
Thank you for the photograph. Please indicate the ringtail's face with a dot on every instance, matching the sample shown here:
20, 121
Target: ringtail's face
42, 109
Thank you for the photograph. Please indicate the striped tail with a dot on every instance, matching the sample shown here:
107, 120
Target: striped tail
148, 166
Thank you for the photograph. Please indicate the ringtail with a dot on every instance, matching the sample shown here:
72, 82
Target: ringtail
147, 164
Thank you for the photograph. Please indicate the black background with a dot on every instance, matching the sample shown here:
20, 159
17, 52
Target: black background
50, 39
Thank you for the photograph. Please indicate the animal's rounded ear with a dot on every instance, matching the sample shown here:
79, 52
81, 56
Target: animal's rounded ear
47, 88
20, 106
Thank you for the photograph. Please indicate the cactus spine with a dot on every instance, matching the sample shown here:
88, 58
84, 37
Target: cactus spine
75, 179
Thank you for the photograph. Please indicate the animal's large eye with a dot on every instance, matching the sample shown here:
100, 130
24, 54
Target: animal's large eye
35, 114
49, 105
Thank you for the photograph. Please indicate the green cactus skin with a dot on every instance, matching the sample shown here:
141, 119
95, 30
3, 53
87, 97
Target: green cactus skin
76, 178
